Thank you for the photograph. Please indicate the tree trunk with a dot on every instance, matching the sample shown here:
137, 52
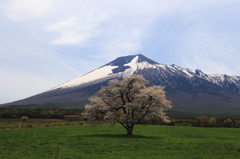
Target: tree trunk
129, 130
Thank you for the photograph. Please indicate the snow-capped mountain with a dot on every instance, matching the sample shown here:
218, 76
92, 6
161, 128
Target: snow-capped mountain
126, 66
185, 87
121, 67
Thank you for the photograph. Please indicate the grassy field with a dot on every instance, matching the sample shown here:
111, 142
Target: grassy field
6, 124
151, 141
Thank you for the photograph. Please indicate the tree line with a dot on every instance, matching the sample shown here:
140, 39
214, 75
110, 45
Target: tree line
37, 112
205, 121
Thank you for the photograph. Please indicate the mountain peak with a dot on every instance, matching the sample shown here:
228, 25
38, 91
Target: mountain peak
127, 59
125, 62
122, 67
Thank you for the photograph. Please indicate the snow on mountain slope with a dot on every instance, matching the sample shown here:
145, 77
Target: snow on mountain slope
91, 76
227, 82
135, 65
126, 66
107, 71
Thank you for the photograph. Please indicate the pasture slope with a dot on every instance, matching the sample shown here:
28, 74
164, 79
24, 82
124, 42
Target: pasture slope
151, 142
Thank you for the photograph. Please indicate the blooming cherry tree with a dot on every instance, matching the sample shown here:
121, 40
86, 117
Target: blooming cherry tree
127, 102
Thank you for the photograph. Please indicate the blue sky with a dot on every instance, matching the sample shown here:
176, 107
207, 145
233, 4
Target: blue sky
44, 43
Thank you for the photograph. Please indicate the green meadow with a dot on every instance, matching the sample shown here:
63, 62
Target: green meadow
150, 141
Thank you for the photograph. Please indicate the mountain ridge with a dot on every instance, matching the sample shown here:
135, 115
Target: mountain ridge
185, 87
126, 64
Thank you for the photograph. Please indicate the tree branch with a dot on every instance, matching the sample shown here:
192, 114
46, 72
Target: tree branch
143, 115
122, 124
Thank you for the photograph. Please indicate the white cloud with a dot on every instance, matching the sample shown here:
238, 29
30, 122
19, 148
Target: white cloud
211, 53
77, 29
18, 10
121, 41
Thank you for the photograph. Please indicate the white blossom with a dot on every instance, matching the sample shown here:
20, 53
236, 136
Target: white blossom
127, 102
